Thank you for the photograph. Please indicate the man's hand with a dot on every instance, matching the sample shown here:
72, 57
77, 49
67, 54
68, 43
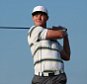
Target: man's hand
59, 28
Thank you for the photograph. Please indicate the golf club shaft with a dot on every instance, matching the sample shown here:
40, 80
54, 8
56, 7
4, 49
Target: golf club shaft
4, 27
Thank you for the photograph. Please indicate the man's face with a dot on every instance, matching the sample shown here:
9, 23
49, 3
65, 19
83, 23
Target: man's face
40, 19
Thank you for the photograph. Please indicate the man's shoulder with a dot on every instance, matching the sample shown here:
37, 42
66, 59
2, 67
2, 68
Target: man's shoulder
31, 28
35, 29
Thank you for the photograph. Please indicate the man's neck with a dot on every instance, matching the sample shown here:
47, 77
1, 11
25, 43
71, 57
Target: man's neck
44, 26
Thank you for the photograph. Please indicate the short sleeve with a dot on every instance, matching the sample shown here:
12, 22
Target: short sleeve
40, 32
43, 33
37, 33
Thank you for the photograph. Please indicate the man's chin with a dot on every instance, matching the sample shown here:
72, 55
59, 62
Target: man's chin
39, 25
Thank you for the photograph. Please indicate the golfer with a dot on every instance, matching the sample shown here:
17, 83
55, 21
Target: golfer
47, 53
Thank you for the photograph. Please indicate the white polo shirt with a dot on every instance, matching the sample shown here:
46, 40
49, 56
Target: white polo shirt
45, 53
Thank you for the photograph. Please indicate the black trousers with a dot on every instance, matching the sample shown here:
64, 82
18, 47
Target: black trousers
57, 79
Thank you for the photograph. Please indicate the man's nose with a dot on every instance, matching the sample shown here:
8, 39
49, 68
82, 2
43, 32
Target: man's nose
39, 16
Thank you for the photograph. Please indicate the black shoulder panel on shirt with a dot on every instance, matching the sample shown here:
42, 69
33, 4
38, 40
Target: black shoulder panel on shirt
32, 30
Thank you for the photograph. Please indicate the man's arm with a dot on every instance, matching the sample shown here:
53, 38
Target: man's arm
58, 33
65, 53
55, 33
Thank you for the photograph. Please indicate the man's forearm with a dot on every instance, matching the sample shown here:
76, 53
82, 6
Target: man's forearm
66, 46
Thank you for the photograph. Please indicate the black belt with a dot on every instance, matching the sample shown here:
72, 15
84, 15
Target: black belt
49, 73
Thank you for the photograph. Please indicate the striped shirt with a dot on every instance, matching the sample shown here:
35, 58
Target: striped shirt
45, 53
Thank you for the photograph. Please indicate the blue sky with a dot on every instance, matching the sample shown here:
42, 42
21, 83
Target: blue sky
16, 63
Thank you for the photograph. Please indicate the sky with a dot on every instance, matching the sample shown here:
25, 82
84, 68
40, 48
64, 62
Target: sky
16, 63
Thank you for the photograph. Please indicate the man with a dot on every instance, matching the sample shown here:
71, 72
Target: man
47, 52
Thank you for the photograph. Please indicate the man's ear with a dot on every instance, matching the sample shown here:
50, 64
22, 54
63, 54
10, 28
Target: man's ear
32, 18
47, 18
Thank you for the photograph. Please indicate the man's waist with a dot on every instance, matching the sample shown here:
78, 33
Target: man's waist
49, 73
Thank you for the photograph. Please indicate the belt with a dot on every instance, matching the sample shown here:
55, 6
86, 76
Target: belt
53, 73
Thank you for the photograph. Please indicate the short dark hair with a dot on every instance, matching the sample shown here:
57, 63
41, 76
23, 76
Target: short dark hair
37, 12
